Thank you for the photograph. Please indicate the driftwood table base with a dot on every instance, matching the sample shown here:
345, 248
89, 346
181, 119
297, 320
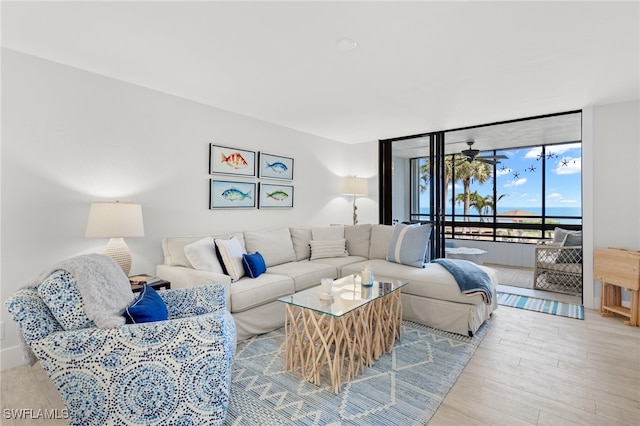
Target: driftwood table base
345, 343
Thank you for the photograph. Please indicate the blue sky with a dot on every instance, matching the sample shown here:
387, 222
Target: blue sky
519, 178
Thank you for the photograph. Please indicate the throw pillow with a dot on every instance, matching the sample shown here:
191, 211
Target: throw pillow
148, 308
571, 239
231, 252
59, 291
202, 255
253, 265
327, 232
328, 248
409, 244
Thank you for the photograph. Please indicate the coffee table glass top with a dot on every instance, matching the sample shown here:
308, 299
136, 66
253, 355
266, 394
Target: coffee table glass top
347, 296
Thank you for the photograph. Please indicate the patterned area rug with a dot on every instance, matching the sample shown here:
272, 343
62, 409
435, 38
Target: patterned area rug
403, 387
553, 307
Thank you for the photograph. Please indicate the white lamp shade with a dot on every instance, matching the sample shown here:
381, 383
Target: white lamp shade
114, 220
355, 186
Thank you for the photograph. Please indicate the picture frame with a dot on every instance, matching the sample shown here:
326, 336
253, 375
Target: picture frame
225, 194
231, 161
275, 196
272, 166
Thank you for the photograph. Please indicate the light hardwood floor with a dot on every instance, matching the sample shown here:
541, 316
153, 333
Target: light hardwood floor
530, 369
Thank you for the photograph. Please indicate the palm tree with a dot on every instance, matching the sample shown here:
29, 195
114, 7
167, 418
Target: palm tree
464, 171
484, 205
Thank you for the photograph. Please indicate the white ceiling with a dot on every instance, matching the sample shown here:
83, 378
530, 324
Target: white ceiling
419, 66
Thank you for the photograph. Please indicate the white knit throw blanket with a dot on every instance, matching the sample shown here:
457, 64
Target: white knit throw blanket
104, 287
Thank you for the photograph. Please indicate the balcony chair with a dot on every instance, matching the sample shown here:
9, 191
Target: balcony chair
558, 263
176, 371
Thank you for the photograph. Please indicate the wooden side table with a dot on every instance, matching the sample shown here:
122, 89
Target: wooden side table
616, 268
157, 285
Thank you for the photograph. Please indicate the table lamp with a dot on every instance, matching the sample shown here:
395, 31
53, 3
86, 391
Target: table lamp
116, 220
355, 186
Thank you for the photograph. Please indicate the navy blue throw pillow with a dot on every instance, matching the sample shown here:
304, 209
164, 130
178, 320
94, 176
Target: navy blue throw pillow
148, 308
253, 265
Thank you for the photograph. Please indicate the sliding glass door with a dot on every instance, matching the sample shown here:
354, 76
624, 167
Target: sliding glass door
412, 183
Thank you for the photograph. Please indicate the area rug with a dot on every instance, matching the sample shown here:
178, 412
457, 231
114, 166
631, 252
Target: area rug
402, 388
553, 307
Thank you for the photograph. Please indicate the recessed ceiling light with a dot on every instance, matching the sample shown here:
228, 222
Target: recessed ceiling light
346, 44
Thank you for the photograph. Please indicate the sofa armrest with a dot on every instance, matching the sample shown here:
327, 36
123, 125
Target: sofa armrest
183, 277
192, 301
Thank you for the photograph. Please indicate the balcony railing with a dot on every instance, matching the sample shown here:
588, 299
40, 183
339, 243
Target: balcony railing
516, 229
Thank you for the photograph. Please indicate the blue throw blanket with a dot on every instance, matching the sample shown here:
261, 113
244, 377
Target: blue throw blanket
470, 277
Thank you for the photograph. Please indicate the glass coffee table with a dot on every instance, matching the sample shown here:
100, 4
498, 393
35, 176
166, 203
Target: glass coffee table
346, 333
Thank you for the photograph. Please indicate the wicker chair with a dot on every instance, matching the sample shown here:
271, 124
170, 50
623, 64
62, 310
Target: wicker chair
558, 268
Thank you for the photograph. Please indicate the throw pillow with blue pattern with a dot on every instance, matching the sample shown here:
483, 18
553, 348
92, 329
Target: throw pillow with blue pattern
61, 295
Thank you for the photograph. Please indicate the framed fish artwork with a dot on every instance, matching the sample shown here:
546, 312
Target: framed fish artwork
275, 196
229, 195
275, 167
231, 161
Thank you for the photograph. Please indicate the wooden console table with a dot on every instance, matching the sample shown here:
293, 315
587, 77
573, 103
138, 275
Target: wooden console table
616, 268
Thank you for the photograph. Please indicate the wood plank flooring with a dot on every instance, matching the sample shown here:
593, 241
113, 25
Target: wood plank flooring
530, 369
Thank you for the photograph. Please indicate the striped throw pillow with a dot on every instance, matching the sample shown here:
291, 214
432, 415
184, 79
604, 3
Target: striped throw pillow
409, 244
321, 249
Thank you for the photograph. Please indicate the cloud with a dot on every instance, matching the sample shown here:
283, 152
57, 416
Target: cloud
569, 201
536, 151
561, 149
533, 152
518, 182
568, 166
555, 196
506, 171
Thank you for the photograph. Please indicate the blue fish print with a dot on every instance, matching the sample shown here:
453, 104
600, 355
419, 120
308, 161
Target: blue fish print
277, 167
233, 194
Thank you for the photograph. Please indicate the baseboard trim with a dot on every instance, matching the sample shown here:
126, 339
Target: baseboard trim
10, 358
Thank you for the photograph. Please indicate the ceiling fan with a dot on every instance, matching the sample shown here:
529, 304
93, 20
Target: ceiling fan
472, 155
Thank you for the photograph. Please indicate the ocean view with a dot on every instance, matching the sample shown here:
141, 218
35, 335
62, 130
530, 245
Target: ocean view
551, 212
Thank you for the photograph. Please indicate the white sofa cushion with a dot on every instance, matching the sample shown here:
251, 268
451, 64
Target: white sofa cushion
358, 239
380, 240
433, 281
202, 255
300, 238
305, 274
248, 293
275, 246
173, 247
335, 232
231, 252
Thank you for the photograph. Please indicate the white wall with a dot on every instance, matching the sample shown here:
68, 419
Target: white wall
70, 137
612, 193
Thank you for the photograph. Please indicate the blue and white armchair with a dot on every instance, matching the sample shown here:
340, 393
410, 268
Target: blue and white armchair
174, 372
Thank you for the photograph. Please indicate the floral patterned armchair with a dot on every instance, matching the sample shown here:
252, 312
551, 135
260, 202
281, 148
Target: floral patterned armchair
174, 372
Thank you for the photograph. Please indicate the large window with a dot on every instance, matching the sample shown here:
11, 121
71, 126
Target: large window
512, 182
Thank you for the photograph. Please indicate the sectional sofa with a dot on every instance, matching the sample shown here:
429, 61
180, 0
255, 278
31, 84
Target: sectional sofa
297, 258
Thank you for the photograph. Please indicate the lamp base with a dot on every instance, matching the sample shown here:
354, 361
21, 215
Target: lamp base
355, 211
117, 250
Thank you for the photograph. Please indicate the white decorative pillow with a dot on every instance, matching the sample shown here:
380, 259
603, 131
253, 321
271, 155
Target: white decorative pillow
409, 244
202, 255
61, 295
327, 232
231, 252
328, 248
